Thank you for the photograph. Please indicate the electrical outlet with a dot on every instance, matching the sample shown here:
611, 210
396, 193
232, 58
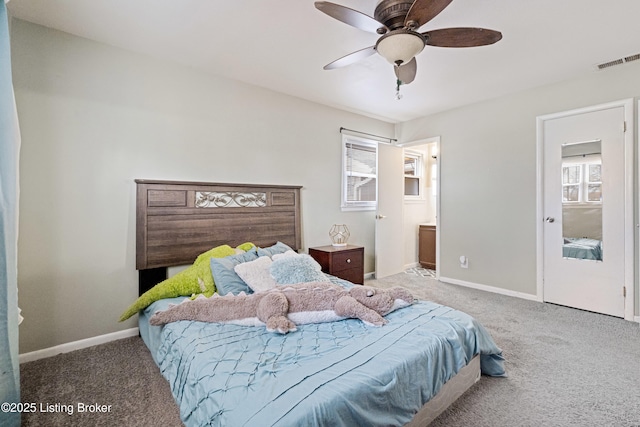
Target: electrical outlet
464, 261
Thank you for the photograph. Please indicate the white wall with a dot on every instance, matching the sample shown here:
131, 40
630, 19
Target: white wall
93, 118
488, 175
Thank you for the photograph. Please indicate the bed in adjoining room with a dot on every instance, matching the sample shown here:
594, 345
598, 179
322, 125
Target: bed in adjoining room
582, 248
338, 373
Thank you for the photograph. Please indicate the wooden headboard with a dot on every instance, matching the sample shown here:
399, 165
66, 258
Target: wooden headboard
177, 221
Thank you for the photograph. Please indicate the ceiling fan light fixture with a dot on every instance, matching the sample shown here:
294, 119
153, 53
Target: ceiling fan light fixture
400, 46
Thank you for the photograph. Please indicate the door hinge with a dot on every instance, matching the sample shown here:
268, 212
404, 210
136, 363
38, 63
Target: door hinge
624, 291
624, 126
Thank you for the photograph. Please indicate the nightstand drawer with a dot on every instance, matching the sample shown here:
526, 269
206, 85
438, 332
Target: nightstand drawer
353, 275
346, 260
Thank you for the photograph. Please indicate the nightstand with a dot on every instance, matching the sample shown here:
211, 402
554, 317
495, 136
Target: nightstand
345, 262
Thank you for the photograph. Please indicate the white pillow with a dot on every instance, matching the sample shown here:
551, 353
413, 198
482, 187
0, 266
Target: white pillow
257, 274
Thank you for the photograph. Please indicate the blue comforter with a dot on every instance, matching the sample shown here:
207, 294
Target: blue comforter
340, 374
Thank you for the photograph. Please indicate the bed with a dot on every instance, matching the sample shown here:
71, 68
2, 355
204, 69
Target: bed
341, 373
582, 248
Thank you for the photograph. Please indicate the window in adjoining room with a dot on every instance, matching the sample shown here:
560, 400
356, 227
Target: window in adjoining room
582, 182
359, 173
413, 167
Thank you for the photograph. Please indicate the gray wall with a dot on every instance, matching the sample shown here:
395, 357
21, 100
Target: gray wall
93, 118
488, 175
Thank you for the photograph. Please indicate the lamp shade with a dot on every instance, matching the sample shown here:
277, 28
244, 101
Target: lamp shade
400, 46
339, 234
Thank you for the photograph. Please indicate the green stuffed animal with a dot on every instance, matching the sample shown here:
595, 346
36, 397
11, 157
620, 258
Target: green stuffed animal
196, 279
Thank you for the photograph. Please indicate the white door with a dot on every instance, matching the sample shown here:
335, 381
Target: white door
584, 203
389, 239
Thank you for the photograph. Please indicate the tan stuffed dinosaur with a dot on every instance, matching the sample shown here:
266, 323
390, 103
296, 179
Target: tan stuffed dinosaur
281, 308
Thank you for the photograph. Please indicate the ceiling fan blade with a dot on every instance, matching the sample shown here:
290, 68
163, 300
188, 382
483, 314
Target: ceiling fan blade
462, 37
351, 17
423, 11
351, 58
406, 72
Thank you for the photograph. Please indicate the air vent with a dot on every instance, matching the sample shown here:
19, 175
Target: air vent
632, 58
610, 64
619, 61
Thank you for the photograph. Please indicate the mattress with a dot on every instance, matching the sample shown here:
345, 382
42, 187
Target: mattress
340, 373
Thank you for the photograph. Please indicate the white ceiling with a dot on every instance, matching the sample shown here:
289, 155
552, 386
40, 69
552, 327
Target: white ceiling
283, 45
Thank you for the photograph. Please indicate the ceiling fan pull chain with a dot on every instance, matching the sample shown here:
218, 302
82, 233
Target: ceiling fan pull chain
398, 94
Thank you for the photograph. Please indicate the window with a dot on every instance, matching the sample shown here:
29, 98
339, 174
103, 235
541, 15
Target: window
359, 173
571, 183
594, 182
413, 168
582, 182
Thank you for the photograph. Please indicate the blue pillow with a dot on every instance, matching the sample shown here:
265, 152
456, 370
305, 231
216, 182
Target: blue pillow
224, 276
297, 269
278, 248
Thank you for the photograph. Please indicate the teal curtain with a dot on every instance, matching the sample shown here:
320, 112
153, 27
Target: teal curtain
9, 152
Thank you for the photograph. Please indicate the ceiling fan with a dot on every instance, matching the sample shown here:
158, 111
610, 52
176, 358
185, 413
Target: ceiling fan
397, 22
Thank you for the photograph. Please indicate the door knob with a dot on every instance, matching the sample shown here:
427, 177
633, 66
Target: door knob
380, 216
550, 219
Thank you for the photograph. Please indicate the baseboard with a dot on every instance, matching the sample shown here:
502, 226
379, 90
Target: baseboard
492, 289
371, 275
77, 345
637, 319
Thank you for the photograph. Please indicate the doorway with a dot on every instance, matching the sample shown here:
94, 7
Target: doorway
398, 216
585, 229
421, 208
